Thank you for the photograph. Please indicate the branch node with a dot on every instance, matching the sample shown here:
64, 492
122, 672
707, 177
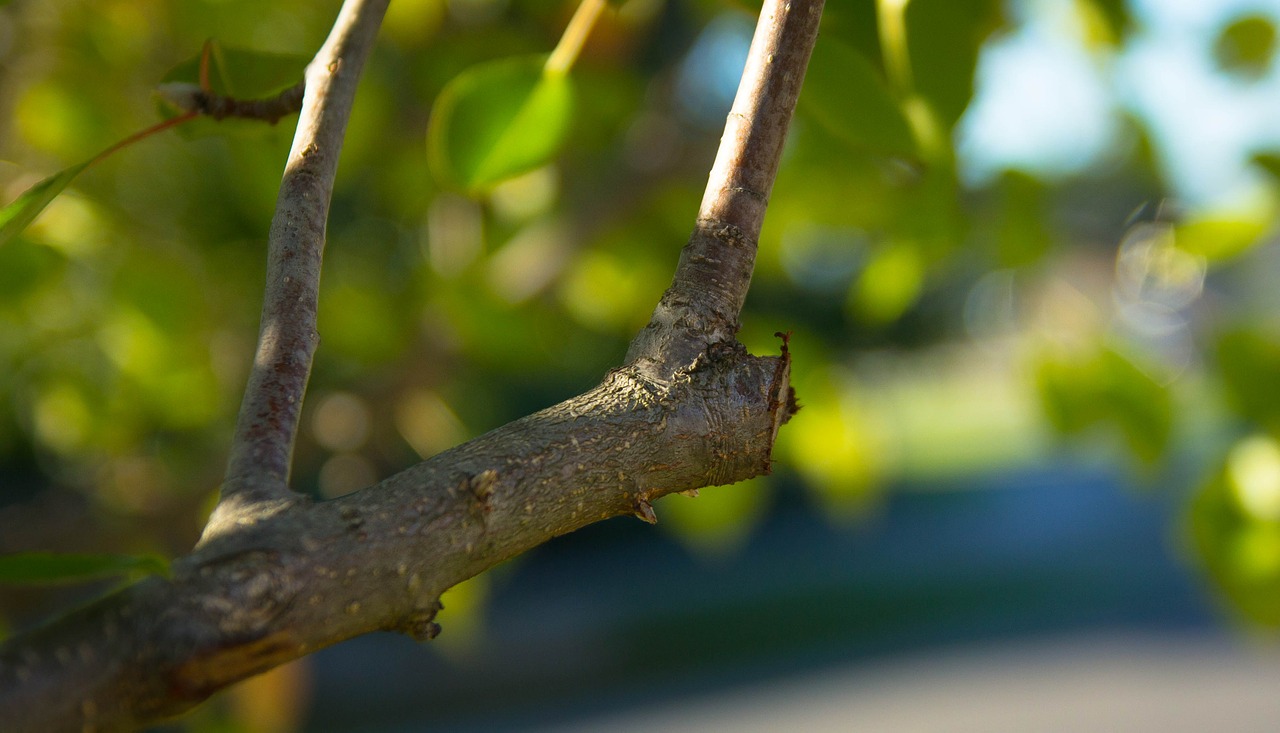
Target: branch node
481, 487
643, 511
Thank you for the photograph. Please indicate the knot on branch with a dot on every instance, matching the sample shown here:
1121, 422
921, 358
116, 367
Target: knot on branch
245, 592
421, 625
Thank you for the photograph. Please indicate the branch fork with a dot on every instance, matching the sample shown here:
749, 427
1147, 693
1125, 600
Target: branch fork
275, 577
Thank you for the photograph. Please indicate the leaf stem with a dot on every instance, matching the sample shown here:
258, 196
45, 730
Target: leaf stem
893, 42
575, 35
135, 137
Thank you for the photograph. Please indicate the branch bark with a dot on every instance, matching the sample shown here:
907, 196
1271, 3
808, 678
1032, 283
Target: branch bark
277, 577
702, 305
261, 450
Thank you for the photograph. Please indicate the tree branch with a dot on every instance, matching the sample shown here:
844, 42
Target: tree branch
278, 579
702, 305
261, 451
194, 100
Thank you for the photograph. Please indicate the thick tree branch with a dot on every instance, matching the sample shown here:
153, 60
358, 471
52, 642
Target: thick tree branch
258, 467
702, 305
275, 578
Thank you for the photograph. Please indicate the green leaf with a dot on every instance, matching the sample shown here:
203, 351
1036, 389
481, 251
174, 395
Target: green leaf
15, 217
1081, 392
1234, 532
498, 120
26, 266
28, 568
890, 283
1141, 406
845, 93
242, 73
943, 39
1246, 46
1218, 239
1269, 162
1022, 235
1249, 363
719, 520
1106, 22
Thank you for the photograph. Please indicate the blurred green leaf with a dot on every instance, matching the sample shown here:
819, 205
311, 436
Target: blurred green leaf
1022, 234
1269, 162
49, 567
890, 283
24, 265
1233, 527
1140, 405
15, 217
242, 73
1080, 393
1068, 388
719, 519
853, 23
1218, 239
845, 94
1249, 363
498, 120
943, 39
834, 444
234, 72
1107, 22
1246, 46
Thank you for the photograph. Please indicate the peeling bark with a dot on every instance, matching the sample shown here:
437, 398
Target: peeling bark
276, 576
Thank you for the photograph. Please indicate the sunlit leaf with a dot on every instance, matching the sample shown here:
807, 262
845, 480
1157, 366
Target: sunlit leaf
1082, 392
1106, 22
15, 217
1246, 46
1067, 390
49, 567
498, 120
889, 285
1217, 239
719, 519
462, 613
845, 94
1238, 547
839, 451
1140, 405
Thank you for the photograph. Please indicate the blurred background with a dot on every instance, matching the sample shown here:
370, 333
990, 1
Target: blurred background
1027, 250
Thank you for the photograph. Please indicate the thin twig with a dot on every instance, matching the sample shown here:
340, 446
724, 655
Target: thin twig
135, 137
270, 109
741, 180
710, 285
258, 468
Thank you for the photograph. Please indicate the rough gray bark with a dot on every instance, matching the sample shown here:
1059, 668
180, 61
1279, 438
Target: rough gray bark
276, 576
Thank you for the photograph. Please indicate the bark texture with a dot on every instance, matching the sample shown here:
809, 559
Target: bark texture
262, 447
276, 576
